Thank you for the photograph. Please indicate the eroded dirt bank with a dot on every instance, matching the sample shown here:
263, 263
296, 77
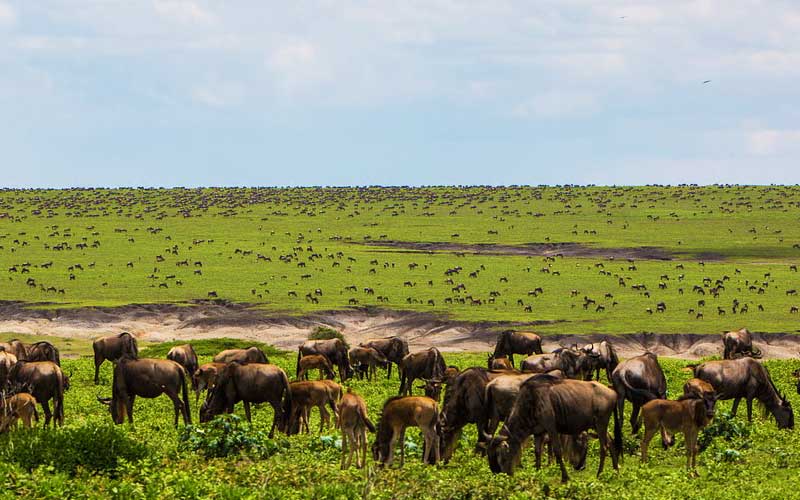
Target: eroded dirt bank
164, 322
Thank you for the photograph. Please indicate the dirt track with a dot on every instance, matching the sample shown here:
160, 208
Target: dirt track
164, 322
531, 249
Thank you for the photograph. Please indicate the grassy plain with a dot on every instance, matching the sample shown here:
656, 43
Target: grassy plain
264, 246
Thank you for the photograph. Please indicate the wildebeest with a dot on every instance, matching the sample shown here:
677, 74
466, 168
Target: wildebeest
510, 342
746, 378
44, 351
44, 380
550, 406
699, 389
242, 356
393, 348
398, 413
739, 343
307, 394
687, 415
315, 362
112, 348
366, 360
501, 394
427, 364
501, 363
354, 423
639, 379
250, 383
147, 378
204, 378
21, 406
571, 362
7, 362
15, 347
185, 356
334, 349
605, 358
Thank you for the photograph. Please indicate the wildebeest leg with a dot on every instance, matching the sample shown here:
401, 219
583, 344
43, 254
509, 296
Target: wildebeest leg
635, 418
749, 409
276, 408
98, 360
691, 446
392, 443
346, 457
735, 406
361, 434
402, 446
177, 405
538, 442
46, 410
129, 408
555, 445
620, 402
247, 411
324, 418
649, 432
602, 436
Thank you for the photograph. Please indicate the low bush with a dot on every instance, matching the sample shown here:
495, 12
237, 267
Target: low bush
325, 333
228, 435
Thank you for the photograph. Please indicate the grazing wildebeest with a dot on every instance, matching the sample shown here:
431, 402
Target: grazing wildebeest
204, 377
366, 360
394, 349
112, 348
746, 378
739, 343
315, 362
147, 378
354, 422
21, 406
639, 380
501, 394
306, 395
44, 351
398, 413
15, 347
551, 406
687, 415
427, 364
606, 359
501, 363
334, 349
465, 403
44, 380
571, 362
7, 362
242, 356
185, 356
510, 342
250, 383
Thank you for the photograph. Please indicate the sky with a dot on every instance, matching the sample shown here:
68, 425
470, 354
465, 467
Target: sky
267, 93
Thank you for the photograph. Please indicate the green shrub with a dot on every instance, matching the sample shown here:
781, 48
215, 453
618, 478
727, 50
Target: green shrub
228, 435
208, 347
725, 426
325, 333
96, 448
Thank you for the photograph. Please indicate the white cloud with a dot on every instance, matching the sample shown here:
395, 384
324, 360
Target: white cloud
769, 142
183, 11
557, 104
218, 94
297, 66
8, 17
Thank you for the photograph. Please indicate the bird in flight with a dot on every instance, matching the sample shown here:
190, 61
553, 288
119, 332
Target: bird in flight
706, 81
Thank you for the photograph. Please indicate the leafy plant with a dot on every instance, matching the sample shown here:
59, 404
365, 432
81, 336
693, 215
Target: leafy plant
325, 333
228, 435
726, 427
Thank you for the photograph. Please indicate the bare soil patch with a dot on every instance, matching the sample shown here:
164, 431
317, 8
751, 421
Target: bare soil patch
213, 319
566, 249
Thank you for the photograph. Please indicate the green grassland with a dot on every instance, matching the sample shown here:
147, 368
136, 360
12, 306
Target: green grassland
156, 464
262, 246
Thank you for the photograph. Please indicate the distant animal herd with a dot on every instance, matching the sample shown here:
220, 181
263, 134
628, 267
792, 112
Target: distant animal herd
557, 398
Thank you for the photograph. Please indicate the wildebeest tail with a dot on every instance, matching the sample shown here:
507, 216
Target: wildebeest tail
618, 431
287, 401
297, 369
362, 414
185, 391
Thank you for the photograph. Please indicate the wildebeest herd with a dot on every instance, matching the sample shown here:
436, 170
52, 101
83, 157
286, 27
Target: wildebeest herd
557, 398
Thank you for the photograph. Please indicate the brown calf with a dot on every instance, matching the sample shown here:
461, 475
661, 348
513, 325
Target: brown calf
19, 406
687, 416
399, 413
354, 422
315, 362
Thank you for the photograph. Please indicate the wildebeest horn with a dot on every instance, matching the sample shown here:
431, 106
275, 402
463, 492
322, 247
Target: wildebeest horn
105, 401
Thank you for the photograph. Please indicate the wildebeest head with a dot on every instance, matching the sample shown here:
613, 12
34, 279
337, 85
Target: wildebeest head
432, 388
115, 408
783, 413
502, 454
576, 448
220, 398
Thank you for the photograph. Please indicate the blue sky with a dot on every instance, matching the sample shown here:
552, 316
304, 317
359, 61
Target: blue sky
192, 92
